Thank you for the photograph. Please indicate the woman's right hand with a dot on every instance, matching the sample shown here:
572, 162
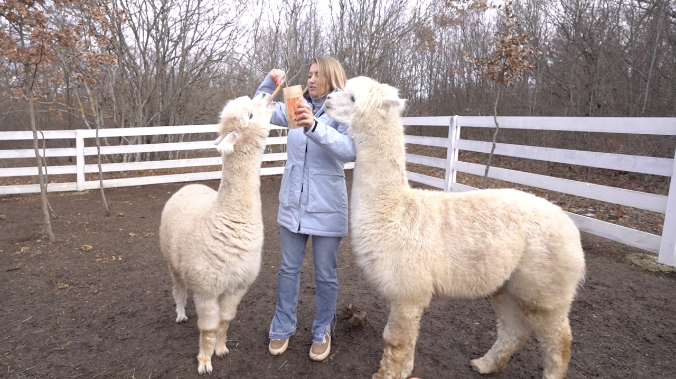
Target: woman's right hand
277, 76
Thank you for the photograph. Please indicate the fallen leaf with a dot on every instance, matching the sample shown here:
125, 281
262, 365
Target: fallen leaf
354, 316
24, 248
62, 286
3, 217
86, 248
132, 234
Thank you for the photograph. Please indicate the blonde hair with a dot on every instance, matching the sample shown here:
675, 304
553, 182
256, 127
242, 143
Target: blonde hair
330, 75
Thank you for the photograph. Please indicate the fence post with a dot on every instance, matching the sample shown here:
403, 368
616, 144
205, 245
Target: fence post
451, 153
79, 160
667, 254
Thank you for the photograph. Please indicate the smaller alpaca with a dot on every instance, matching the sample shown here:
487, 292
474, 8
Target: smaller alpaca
412, 244
212, 241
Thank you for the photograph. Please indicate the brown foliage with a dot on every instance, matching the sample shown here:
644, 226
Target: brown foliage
30, 38
457, 12
512, 56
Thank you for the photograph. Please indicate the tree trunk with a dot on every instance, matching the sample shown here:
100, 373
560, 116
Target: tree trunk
652, 61
98, 155
495, 135
97, 121
38, 158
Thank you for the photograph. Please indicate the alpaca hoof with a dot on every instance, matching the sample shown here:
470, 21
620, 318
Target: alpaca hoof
181, 319
406, 369
385, 375
204, 366
483, 366
222, 350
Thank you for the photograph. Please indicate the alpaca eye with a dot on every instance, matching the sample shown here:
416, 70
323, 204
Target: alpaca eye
250, 115
352, 98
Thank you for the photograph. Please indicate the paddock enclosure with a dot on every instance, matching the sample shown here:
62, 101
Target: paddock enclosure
97, 303
155, 148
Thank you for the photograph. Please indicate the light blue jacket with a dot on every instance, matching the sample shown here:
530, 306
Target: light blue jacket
313, 194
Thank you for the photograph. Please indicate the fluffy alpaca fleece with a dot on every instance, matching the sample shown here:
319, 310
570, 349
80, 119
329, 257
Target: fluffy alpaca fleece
212, 241
412, 244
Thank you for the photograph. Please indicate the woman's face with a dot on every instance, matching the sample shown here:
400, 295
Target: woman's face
313, 82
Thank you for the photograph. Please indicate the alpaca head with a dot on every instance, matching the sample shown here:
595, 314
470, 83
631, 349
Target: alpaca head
244, 121
364, 98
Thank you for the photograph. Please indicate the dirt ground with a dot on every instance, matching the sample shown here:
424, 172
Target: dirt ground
109, 313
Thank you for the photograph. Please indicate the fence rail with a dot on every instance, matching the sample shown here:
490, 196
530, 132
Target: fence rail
664, 246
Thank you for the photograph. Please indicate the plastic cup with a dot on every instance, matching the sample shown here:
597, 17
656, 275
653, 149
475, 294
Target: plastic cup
293, 97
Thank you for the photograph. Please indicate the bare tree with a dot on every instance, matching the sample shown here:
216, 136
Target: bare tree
372, 38
510, 59
178, 61
87, 22
168, 52
27, 40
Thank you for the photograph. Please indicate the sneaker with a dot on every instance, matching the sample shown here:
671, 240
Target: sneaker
319, 351
277, 347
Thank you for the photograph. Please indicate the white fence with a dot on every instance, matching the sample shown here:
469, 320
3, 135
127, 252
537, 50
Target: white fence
664, 246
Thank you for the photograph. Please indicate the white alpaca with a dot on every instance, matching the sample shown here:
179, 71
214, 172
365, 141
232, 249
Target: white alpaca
212, 241
412, 244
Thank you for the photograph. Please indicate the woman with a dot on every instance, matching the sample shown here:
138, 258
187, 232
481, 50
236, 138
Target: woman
312, 202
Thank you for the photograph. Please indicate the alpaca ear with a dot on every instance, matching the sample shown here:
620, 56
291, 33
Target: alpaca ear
244, 119
219, 139
393, 103
226, 145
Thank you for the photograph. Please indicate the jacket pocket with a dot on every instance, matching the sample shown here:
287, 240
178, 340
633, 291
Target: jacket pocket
327, 192
286, 188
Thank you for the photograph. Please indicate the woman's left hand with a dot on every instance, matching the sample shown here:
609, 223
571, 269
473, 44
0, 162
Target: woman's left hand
304, 116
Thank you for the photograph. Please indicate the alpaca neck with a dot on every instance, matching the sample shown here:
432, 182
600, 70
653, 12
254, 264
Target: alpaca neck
240, 179
380, 170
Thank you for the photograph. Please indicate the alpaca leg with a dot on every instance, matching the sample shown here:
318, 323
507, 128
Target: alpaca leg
208, 323
221, 339
552, 329
407, 366
228, 303
513, 330
180, 293
400, 335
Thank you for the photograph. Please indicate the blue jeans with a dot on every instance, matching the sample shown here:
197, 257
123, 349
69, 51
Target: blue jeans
324, 252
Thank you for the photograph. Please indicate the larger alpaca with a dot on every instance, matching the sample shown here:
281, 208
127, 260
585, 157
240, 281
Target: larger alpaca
412, 244
212, 241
